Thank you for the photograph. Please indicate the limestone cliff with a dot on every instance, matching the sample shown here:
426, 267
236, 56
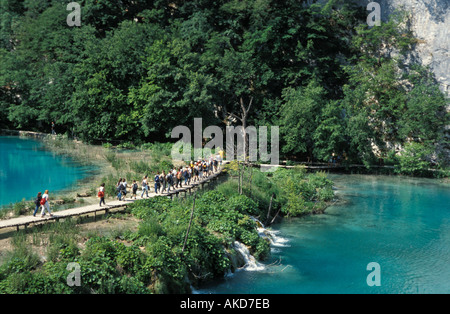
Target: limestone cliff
430, 23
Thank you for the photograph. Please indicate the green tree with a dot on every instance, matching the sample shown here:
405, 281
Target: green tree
384, 102
414, 160
300, 116
425, 116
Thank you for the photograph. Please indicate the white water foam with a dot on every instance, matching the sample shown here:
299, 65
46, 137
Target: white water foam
272, 235
250, 262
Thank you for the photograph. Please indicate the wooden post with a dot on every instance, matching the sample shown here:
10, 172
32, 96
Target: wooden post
239, 178
268, 212
275, 216
251, 177
189, 226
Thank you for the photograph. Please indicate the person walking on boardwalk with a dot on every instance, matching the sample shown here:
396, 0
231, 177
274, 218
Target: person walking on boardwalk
163, 182
45, 204
101, 194
196, 173
119, 189
174, 177
134, 189
169, 180
37, 202
157, 182
186, 175
144, 187
179, 176
200, 171
124, 188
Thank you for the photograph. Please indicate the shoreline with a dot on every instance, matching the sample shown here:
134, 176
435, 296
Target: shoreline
22, 133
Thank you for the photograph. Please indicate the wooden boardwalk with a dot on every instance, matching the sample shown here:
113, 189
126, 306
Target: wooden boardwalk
324, 166
25, 221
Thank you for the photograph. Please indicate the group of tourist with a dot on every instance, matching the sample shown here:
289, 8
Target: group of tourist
164, 181
336, 159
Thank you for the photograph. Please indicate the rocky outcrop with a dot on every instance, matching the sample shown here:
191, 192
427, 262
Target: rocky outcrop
429, 20
430, 23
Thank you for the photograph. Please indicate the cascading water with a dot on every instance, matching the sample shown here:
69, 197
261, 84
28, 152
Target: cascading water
250, 262
272, 235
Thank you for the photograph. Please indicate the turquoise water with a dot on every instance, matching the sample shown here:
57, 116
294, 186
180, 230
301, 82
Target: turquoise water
402, 224
26, 169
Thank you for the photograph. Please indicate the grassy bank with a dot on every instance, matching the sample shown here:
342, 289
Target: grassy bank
153, 254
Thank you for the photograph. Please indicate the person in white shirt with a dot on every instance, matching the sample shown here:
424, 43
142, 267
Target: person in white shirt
144, 187
46, 205
101, 194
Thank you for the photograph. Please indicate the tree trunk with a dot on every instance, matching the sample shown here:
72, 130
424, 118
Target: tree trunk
268, 212
239, 178
189, 227
244, 116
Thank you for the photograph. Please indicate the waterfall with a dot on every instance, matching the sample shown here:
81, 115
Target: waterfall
250, 262
271, 235
275, 242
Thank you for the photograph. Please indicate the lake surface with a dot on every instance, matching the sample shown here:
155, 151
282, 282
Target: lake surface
26, 169
402, 224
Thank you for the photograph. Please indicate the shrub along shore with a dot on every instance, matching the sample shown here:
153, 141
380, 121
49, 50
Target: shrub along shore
166, 251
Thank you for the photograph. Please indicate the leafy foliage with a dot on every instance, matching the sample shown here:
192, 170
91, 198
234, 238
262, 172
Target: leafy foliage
136, 69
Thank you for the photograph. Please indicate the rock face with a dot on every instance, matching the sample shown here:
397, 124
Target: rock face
430, 23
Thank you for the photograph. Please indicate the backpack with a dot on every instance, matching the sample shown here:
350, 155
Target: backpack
156, 178
101, 194
43, 201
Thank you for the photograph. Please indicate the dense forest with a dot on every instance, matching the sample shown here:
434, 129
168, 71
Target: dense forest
135, 69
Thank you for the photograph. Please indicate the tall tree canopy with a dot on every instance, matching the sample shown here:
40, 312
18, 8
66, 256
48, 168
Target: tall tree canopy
135, 69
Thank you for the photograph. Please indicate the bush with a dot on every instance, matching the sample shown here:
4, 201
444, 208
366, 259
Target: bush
146, 208
129, 258
242, 204
126, 145
150, 228
413, 160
